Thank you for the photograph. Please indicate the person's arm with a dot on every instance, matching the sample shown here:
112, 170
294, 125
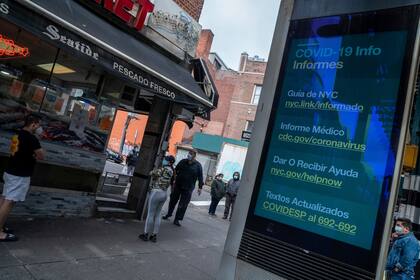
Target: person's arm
173, 177
200, 179
179, 166
154, 173
39, 154
200, 176
213, 188
409, 253
237, 188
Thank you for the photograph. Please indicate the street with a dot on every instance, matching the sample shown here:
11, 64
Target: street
52, 249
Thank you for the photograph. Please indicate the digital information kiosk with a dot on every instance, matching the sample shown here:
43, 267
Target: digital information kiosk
322, 199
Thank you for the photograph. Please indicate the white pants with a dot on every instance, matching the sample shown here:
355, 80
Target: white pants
15, 187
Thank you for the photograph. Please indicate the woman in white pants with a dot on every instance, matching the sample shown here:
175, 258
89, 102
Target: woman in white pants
161, 181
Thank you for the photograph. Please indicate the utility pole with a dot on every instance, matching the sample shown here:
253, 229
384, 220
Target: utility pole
130, 117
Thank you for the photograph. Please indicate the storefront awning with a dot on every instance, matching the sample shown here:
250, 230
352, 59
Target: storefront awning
116, 50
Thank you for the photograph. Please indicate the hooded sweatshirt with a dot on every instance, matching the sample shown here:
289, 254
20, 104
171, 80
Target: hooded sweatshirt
233, 187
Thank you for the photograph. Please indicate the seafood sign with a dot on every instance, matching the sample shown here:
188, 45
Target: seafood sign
8, 48
54, 34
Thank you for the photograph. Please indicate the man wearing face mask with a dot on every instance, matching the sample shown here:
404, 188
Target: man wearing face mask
404, 253
25, 149
231, 193
187, 172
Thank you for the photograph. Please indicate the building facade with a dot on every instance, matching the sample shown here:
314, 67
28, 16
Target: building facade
239, 93
133, 133
75, 63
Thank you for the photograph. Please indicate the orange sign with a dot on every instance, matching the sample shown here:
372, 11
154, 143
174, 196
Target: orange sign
8, 48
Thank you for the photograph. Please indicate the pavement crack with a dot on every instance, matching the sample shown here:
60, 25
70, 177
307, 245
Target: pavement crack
29, 272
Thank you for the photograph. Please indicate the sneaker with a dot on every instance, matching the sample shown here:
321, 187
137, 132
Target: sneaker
144, 237
7, 230
166, 217
153, 238
9, 238
176, 222
224, 217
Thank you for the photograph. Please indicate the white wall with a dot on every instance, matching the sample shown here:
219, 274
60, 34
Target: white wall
232, 159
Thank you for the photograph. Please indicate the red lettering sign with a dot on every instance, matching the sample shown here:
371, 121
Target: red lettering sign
8, 48
123, 9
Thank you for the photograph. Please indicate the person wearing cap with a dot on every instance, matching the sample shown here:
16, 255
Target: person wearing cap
161, 181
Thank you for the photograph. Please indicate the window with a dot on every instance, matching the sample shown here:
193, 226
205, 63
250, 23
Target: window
217, 64
249, 126
65, 92
23, 82
256, 95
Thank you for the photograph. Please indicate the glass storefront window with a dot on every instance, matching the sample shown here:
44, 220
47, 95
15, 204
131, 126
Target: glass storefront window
64, 91
22, 82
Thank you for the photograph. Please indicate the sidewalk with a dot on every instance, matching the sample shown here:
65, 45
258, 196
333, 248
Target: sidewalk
99, 249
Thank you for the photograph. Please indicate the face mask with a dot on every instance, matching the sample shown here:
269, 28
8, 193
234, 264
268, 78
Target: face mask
189, 157
398, 229
235, 177
165, 162
39, 131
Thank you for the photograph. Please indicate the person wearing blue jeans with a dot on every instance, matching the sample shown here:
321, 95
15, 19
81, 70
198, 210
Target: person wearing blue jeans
161, 181
404, 252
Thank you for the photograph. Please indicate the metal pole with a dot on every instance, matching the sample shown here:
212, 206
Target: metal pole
399, 157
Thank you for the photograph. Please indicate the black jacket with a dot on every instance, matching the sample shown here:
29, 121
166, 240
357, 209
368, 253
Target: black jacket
187, 174
218, 189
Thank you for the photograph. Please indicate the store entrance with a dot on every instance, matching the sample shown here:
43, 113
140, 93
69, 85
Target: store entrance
122, 153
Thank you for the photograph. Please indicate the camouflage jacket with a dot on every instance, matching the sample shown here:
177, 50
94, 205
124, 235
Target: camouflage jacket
161, 178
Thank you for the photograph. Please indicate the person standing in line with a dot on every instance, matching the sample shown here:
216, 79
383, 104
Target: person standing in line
161, 181
218, 191
231, 193
25, 150
404, 252
187, 172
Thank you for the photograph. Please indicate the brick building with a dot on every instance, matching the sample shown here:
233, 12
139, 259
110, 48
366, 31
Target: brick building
135, 130
239, 93
192, 7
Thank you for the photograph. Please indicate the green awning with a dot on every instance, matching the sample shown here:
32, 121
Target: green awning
213, 143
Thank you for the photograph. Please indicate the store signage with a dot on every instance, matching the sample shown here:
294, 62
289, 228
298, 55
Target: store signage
143, 81
174, 24
8, 48
131, 12
246, 135
4, 8
54, 34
